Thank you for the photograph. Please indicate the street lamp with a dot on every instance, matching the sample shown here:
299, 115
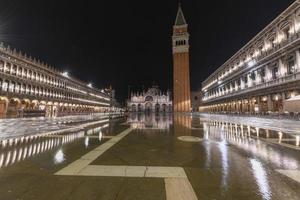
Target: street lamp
65, 74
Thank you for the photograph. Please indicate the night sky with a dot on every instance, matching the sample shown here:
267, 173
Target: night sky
128, 42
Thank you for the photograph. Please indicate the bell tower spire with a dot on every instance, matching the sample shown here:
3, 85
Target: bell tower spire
180, 19
181, 69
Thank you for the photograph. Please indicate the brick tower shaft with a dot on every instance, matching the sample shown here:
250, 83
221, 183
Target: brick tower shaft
181, 69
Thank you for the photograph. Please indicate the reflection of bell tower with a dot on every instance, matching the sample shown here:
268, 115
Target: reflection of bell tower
181, 71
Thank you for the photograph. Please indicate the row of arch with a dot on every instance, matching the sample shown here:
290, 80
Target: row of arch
260, 105
149, 107
59, 88
274, 35
281, 67
21, 88
181, 42
30, 74
9, 86
16, 107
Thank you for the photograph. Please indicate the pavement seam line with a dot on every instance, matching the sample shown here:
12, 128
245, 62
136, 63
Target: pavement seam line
107, 145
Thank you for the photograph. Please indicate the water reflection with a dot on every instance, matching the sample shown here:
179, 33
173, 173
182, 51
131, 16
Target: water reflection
161, 121
59, 156
250, 140
261, 178
254, 142
31, 126
182, 120
86, 142
224, 156
14, 150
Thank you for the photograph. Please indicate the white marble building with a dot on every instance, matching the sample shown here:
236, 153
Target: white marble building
152, 100
263, 74
30, 87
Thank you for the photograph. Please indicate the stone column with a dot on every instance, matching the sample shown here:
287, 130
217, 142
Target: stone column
297, 60
259, 105
242, 83
249, 80
252, 105
282, 68
268, 73
243, 106
257, 77
236, 86
267, 133
270, 103
283, 101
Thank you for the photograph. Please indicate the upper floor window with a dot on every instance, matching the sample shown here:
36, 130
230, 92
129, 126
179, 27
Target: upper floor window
290, 66
253, 75
246, 79
263, 73
286, 32
275, 72
1, 65
7, 69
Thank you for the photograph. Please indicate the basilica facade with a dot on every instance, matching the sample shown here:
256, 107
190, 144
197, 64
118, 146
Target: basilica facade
152, 100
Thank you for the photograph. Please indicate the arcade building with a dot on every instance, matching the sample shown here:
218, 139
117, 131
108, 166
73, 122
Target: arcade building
29, 87
264, 75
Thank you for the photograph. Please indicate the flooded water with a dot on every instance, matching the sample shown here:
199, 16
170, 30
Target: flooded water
152, 157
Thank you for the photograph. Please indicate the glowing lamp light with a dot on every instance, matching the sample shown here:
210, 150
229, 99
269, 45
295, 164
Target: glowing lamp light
293, 94
256, 53
65, 74
90, 85
251, 63
297, 140
297, 26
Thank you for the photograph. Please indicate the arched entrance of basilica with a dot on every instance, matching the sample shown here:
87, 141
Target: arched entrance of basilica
157, 108
133, 108
148, 107
139, 108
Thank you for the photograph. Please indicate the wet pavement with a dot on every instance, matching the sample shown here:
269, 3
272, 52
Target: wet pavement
36, 125
153, 157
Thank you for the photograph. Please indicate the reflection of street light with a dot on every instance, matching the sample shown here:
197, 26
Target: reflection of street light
90, 85
59, 157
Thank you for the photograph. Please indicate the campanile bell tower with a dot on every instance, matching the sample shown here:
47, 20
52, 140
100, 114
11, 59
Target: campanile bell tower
181, 69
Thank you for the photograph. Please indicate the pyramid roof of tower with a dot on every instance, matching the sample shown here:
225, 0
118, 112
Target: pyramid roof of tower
180, 19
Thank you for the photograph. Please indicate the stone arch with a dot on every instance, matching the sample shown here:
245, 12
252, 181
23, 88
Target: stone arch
133, 108
13, 107
149, 98
164, 108
17, 87
157, 107
271, 37
170, 108
285, 28
5, 85
139, 108
148, 107
1, 65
